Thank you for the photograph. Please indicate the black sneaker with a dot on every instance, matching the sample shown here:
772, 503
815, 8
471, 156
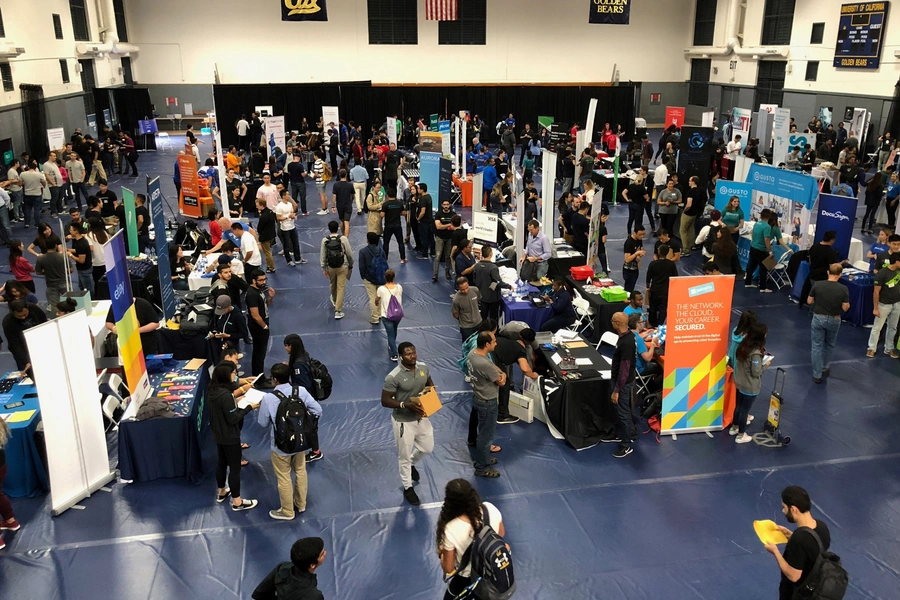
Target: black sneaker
611, 439
244, 505
221, 499
622, 452
415, 473
314, 456
411, 496
508, 420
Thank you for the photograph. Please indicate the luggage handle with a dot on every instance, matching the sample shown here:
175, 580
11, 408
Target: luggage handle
775, 388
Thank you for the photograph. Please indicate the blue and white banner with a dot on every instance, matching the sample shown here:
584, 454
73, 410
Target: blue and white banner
725, 190
836, 213
430, 175
161, 246
792, 185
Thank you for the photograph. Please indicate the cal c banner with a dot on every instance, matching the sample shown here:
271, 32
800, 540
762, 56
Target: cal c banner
699, 313
675, 116
190, 185
836, 213
610, 12
304, 10
126, 319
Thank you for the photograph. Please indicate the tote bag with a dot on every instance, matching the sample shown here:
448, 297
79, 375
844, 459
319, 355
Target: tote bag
394, 310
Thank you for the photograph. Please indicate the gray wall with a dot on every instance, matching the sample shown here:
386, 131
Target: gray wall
672, 94
200, 96
66, 112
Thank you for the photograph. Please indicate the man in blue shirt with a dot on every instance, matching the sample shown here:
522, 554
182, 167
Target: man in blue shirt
283, 463
537, 250
490, 178
644, 363
470, 160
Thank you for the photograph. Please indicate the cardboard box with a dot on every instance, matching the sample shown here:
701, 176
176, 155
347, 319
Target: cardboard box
521, 407
430, 401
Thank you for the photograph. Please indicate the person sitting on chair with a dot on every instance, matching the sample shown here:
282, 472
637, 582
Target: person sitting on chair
646, 346
560, 300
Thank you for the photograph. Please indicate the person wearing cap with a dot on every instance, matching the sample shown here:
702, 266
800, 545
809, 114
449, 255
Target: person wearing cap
710, 233
229, 326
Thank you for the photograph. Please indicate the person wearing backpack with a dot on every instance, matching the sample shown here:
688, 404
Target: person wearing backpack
463, 517
336, 260
278, 412
296, 579
805, 545
389, 300
372, 267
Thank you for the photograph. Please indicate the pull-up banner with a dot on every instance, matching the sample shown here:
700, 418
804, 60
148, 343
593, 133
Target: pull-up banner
610, 12
837, 213
304, 10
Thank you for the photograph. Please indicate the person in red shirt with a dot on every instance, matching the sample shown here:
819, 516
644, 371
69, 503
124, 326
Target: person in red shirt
215, 230
19, 265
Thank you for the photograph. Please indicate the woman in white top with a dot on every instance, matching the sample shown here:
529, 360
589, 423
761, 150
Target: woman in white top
589, 192
383, 300
461, 516
97, 236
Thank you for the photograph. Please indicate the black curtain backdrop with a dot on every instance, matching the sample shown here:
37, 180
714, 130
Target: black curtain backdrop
368, 105
34, 117
132, 104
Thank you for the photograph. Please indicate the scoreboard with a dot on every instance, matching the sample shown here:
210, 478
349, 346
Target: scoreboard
861, 35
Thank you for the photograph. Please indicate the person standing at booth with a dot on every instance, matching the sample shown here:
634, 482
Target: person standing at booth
623, 374
829, 299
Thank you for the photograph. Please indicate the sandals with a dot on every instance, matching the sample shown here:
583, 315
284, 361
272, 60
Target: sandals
494, 449
244, 462
245, 446
489, 473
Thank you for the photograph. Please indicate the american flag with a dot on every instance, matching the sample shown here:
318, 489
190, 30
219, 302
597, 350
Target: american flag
441, 10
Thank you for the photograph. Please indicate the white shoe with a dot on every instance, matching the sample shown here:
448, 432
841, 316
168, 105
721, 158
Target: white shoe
743, 439
322, 212
240, 355
733, 431
292, 264
338, 315
749, 419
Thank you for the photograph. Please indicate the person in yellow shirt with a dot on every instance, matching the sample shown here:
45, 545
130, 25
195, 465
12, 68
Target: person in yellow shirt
231, 159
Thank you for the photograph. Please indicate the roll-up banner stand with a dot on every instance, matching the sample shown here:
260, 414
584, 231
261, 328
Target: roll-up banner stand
548, 201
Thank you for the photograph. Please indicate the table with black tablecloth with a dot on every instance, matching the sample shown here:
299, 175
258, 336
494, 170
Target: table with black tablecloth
560, 267
605, 181
168, 447
25, 475
174, 342
143, 285
580, 409
603, 310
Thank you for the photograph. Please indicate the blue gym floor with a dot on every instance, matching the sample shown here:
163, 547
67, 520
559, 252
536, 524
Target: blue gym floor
673, 520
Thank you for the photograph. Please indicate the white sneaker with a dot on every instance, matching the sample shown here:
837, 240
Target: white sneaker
733, 430
743, 439
749, 419
292, 264
338, 315
244, 505
322, 212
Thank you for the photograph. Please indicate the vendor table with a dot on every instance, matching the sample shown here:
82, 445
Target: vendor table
605, 181
198, 278
861, 300
580, 409
144, 286
163, 448
172, 341
25, 474
560, 267
517, 309
603, 310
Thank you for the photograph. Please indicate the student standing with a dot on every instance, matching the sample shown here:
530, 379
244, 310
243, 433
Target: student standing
486, 379
283, 464
82, 254
225, 422
829, 299
392, 212
443, 224
413, 431
336, 260
259, 297
886, 299
749, 367
266, 229
373, 207
667, 200
693, 208
383, 297
659, 273
371, 274
487, 279
634, 251
295, 580
425, 221
286, 214
251, 256
55, 269
623, 373
344, 193
19, 266
465, 307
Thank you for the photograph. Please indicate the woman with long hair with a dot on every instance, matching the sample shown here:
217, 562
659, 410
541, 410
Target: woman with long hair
749, 367
562, 206
385, 294
747, 320
14, 290
462, 515
725, 254
43, 234
733, 217
225, 421
19, 266
495, 201
98, 236
7, 517
874, 194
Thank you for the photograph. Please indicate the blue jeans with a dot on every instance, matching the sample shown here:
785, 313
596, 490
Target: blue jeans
16, 208
626, 417
824, 335
56, 205
86, 280
31, 206
5, 230
742, 405
390, 327
487, 411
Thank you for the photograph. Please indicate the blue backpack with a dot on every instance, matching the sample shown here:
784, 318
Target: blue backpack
492, 567
377, 268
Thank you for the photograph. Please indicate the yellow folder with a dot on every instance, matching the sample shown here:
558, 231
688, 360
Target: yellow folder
768, 532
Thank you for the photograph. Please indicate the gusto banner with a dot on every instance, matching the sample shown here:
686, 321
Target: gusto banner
127, 327
836, 213
697, 336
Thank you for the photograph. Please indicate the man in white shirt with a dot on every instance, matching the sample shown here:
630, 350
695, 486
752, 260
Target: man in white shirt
286, 213
660, 176
33, 183
360, 178
76, 170
268, 192
243, 129
54, 183
733, 150
15, 190
249, 251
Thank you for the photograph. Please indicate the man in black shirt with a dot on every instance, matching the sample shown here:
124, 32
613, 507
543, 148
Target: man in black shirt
229, 284
658, 274
148, 322
109, 200
297, 177
580, 225
142, 216
634, 251
425, 221
443, 224
80, 252
21, 316
623, 369
802, 548
693, 208
567, 172
674, 245
267, 231
507, 353
821, 257
259, 297
343, 200
295, 579
392, 213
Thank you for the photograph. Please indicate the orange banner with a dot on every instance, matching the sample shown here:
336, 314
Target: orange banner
697, 337
190, 185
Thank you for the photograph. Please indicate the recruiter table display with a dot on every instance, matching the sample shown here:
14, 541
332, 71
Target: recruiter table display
603, 310
199, 278
25, 475
521, 308
605, 179
579, 408
861, 298
168, 447
564, 258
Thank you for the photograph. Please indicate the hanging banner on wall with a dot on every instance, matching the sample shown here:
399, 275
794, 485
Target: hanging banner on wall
331, 114
861, 35
782, 129
430, 175
304, 10
127, 326
161, 245
726, 190
610, 12
793, 185
130, 222
836, 213
695, 153
697, 337
274, 134
675, 116
56, 138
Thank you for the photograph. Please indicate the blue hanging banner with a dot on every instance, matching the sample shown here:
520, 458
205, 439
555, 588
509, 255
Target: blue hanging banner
793, 185
430, 175
167, 292
836, 213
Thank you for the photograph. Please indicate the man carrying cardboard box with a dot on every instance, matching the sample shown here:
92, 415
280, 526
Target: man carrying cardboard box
486, 379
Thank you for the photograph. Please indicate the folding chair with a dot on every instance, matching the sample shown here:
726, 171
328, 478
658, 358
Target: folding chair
112, 393
779, 275
163, 140
584, 313
610, 338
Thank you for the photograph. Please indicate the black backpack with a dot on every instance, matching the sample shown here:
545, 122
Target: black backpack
491, 561
334, 252
711, 237
294, 427
827, 580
